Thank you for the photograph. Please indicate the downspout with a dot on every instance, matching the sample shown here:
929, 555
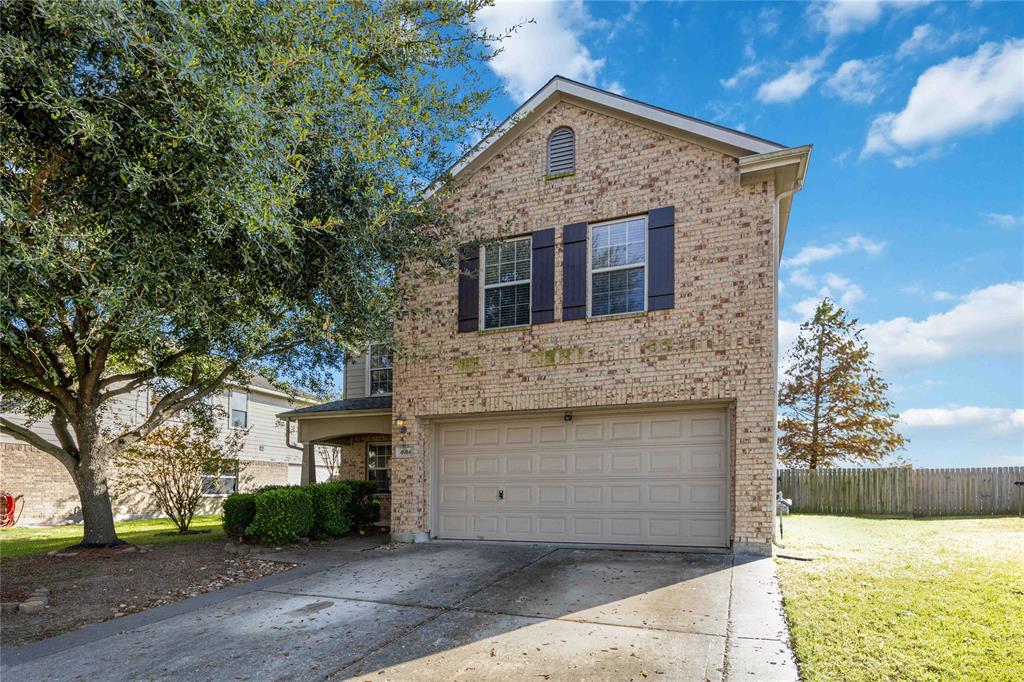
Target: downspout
775, 398
288, 435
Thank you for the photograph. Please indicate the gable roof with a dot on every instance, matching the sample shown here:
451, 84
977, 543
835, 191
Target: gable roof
787, 165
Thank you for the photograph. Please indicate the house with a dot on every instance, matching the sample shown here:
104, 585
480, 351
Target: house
49, 493
603, 367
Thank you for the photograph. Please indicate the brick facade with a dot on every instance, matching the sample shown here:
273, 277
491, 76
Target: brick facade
50, 496
717, 344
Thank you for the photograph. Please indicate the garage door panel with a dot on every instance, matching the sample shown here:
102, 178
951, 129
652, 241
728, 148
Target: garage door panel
642, 477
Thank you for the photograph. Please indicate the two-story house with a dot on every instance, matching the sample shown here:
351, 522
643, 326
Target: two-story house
603, 367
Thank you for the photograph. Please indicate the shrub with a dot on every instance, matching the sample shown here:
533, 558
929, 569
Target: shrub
282, 515
365, 508
331, 509
239, 511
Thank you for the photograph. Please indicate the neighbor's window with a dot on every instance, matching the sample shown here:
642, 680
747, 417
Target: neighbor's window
506, 293
561, 151
239, 409
618, 253
220, 484
379, 368
378, 465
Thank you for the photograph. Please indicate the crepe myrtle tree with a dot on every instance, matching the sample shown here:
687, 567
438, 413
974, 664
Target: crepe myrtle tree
193, 192
833, 401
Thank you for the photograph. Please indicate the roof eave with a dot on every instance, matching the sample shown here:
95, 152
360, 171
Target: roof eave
787, 168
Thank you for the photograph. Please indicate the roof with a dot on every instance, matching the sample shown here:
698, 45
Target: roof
260, 383
376, 402
735, 142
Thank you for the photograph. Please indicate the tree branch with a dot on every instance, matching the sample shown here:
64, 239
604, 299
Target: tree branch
25, 435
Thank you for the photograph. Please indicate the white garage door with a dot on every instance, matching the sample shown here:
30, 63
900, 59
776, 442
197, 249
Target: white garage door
642, 476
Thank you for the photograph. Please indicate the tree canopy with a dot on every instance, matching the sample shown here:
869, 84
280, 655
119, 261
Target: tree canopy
193, 192
834, 403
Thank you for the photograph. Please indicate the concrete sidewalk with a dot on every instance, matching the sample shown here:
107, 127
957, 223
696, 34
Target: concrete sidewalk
451, 610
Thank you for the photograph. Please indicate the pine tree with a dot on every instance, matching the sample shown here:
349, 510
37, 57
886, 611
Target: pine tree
834, 402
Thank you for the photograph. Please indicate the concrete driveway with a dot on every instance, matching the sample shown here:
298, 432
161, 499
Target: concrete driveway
445, 611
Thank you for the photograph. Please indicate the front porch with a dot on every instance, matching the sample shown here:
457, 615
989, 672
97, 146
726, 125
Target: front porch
346, 439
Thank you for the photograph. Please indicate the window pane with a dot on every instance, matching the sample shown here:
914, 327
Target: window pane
378, 465
617, 244
507, 261
507, 306
618, 291
239, 400
239, 419
380, 381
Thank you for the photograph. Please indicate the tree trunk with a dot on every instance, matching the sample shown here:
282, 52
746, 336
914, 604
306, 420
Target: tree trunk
97, 514
93, 489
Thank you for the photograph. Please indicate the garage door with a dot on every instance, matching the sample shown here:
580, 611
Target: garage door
631, 477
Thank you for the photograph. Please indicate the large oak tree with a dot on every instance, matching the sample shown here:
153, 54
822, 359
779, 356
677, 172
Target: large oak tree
834, 403
192, 192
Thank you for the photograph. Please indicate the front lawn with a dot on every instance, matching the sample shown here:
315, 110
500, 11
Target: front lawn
23, 541
901, 599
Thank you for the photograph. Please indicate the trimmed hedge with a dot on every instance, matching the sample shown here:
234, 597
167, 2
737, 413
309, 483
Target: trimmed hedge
332, 503
239, 511
283, 515
365, 507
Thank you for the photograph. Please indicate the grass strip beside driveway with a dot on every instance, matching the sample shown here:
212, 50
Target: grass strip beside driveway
905, 599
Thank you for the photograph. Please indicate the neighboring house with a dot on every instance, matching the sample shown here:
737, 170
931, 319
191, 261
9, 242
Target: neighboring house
603, 370
50, 495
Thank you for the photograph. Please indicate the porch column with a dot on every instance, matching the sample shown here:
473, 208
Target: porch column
308, 464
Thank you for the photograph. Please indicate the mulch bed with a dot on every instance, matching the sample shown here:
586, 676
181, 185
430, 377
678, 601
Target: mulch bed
99, 584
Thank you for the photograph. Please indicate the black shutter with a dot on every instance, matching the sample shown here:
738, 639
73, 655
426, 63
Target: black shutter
574, 271
661, 266
469, 288
542, 277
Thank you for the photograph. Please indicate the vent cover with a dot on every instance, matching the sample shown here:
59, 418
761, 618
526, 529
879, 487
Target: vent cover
561, 151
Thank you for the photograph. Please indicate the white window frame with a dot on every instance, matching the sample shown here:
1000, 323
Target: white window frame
234, 488
370, 371
231, 409
484, 286
631, 266
388, 469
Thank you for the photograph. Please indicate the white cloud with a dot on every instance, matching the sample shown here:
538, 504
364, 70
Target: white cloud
942, 296
986, 322
550, 44
741, 76
794, 83
1000, 418
855, 81
926, 39
815, 254
616, 87
1004, 219
802, 278
836, 287
844, 16
920, 40
962, 95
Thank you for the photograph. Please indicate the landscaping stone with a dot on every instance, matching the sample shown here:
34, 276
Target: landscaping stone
9, 607
31, 607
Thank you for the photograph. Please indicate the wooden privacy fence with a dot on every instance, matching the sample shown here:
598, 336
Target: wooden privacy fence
903, 491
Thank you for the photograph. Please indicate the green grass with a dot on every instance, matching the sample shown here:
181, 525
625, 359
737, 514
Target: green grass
900, 599
24, 541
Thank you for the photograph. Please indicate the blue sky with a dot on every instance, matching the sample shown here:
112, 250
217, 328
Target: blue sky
913, 212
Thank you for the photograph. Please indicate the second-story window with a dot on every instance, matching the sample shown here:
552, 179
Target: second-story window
506, 290
379, 370
239, 409
618, 258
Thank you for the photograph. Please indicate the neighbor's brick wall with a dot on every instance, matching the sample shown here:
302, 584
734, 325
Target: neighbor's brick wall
718, 343
50, 496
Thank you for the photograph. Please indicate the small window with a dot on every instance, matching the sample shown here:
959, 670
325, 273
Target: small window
561, 151
222, 483
506, 292
378, 465
239, 410
379, 370
618, 255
